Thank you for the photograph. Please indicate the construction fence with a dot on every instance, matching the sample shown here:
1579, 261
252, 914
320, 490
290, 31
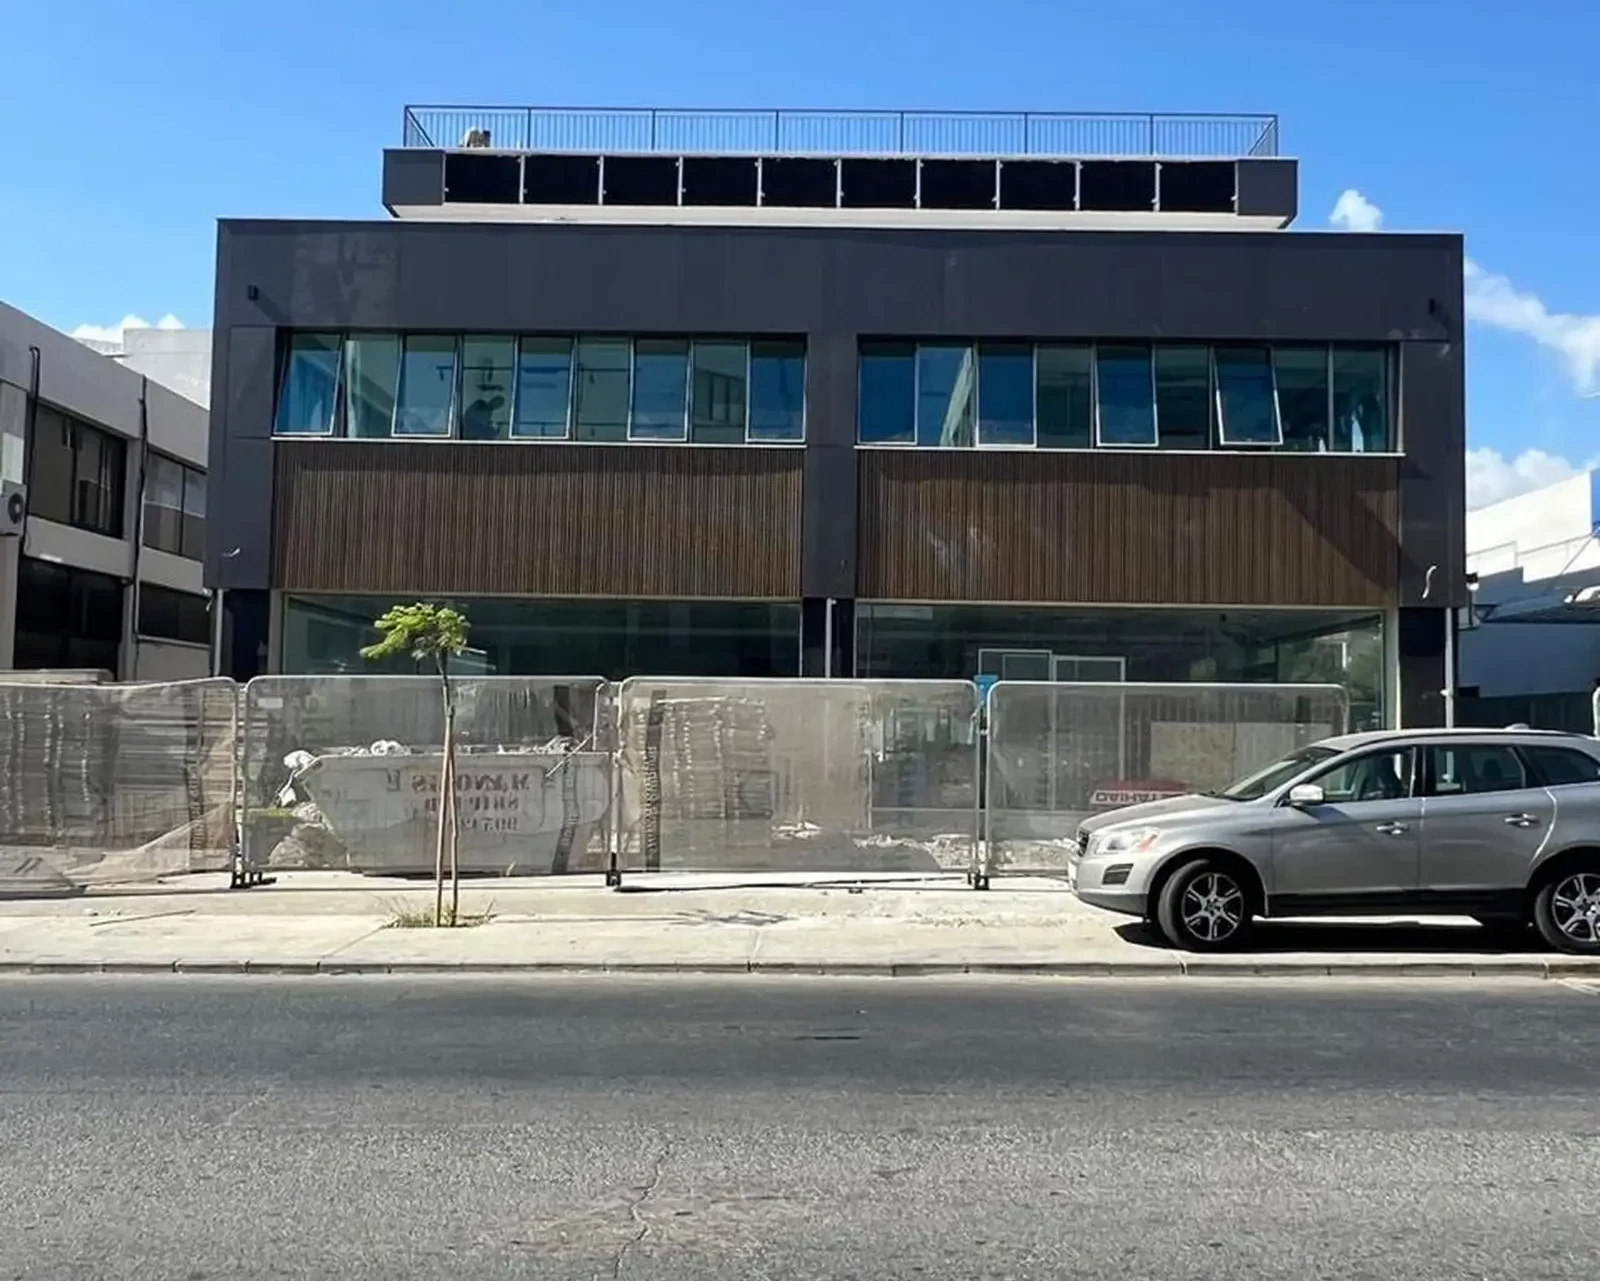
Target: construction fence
569, 774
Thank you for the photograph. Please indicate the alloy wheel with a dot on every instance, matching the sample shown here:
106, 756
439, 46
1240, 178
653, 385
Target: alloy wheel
1575, 907
1212, 907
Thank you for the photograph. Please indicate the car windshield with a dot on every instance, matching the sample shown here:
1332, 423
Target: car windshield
1256, 784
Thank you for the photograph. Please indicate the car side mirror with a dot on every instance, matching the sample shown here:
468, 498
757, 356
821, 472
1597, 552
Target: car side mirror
1304, 794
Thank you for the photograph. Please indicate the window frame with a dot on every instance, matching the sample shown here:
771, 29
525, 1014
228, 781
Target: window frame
336, 409
513, 374
1428, 781
978, 442
141, 633
569, 422
916, 391
1269, 353
1413, 780
452, 408
187, 474
627, 411
685, 401
1154, 443
1528, 751
750, 382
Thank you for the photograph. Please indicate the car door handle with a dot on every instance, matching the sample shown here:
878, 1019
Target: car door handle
1394, 829
1522, 820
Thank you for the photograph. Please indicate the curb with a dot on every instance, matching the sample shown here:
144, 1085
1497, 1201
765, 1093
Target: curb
1175, 967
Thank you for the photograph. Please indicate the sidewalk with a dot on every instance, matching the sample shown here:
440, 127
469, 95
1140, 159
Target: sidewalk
339, 923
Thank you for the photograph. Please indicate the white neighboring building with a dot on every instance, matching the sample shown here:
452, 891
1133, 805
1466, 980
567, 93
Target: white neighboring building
1532, 648
105, 573
178, 359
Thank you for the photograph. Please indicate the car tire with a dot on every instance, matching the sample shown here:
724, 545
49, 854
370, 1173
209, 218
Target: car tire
1566, 910
1205, 906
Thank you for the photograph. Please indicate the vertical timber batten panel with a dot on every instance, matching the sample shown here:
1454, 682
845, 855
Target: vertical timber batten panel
1124, 528
537, 519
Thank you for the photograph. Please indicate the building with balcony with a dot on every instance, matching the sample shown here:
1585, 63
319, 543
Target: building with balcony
802, 393
107, 470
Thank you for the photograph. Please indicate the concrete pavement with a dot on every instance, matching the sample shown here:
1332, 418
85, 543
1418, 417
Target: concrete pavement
340, 923
724, 1129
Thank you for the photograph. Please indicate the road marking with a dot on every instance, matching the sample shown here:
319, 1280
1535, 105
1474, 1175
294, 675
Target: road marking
1589, 987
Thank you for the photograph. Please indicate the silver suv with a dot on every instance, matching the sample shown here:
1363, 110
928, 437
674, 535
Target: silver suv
1501, 825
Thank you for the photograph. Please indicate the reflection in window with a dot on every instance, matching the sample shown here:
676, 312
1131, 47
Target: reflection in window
1127, 396
544, 388
717, 401
66, 617
309, 391
660, 389
486, 374
1302, 377
601, 388
165, 614
1474, 768
1183, 397
371, 371
174, 507
947, 395
887, 413
163, 504
777, 390
99, 481
1005, 394
1360, 400
1247, 402
427, 385
194, 513
1066, 398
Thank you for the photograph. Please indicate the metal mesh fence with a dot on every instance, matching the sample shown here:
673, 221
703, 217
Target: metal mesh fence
342, 772
848, 776
1058, 753
112, 783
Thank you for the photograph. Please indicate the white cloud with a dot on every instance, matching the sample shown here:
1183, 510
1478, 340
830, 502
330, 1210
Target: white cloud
1354, 212
113, 333
1494, 300
1492, 477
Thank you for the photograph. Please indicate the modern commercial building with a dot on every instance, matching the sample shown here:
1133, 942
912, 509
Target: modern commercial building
104, 471
802, 393
1531, 649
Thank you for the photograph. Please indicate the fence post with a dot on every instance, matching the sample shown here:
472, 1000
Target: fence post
981, 822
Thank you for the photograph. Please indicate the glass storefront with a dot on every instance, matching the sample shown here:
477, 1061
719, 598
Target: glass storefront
513, 636
1108, 644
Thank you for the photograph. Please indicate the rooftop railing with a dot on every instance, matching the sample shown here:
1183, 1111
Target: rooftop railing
678, 131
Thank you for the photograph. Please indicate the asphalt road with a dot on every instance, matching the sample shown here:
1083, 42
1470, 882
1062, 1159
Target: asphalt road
208, 1129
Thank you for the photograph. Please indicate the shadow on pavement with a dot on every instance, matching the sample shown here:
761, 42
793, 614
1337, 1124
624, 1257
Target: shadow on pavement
1361, 936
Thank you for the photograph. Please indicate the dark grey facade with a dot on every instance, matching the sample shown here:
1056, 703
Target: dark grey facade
837, 286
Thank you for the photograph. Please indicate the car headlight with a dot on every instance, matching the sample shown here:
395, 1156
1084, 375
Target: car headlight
1133, 840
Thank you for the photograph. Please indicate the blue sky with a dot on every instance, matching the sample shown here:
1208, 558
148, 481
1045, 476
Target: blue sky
134, 125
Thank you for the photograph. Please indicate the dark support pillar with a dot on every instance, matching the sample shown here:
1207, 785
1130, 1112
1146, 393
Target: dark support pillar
1422, 667
245, 621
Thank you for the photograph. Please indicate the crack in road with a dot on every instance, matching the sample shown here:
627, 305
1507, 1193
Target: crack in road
645, 1193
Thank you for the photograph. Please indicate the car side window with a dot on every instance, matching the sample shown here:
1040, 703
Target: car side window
1559, 766
1467, 769
1377, 776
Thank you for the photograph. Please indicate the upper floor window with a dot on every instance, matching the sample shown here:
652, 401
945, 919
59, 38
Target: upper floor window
1185, 396
77, 474
165, 614
174, 507
716, 391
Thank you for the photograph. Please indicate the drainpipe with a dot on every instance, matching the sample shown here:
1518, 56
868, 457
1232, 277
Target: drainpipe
130, 632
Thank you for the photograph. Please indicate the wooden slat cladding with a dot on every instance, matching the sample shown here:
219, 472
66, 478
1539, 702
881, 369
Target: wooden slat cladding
543, 519
1128, 528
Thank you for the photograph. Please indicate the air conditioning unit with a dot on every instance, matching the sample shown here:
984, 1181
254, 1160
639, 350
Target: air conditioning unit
13, 509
